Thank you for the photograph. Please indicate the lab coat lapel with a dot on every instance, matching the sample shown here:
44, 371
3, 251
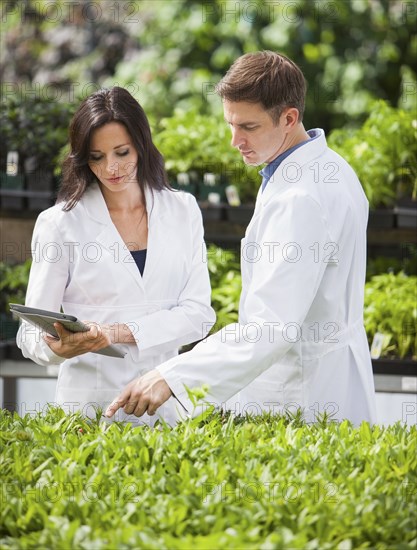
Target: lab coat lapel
290, 171
108, 236
159, 231
154, 243
257, 210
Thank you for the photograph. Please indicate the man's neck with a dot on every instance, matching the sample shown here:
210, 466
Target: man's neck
298, 136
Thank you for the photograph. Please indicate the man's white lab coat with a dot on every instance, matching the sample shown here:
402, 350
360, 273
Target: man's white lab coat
300, 340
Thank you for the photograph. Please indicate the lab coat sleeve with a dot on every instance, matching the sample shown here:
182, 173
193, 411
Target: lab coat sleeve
192, 317
47, 280
283, 284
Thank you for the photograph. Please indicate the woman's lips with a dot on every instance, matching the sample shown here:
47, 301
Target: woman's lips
115, 180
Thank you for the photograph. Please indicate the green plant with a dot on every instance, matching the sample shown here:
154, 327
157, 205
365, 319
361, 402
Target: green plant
188, 45
191, 142
219, 262
35, 127
383, 153
391, 309
384, 264
226, 284
13, 283
223, 482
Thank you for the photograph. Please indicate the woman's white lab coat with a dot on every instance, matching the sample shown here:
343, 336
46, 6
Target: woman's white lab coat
300, 340
81, 263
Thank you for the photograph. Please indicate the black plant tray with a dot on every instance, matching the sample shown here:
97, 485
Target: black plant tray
240, 214
381, 218
406, 217
400, 367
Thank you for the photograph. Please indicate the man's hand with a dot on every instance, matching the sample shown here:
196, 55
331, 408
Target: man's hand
144, 394
71, 344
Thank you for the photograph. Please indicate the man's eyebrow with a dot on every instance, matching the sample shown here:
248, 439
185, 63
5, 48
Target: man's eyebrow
242, 124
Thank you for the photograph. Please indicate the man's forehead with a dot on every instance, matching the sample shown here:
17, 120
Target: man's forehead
242, 112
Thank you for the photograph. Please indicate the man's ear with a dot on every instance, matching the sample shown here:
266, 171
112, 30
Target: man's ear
291, 117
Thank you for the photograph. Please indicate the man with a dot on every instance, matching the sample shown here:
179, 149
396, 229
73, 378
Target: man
300, 340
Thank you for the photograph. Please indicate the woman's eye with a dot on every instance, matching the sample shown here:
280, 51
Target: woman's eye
123, 153
95, 157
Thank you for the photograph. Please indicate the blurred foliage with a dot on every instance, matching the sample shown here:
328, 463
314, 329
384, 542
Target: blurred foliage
13, 284
390, 299
390, 296
383, 264
391, 309
170, 53
350, 52
35, 127
226, 285
191, 142
383, 153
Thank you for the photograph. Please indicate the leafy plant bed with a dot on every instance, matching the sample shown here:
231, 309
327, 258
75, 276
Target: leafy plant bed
383, 153
270, 482
390, 310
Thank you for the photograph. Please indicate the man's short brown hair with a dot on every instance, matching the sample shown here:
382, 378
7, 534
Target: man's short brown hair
268, 78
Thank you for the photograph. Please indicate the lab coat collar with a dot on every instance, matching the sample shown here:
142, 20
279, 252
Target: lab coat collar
108, 236
289, 171
96, 208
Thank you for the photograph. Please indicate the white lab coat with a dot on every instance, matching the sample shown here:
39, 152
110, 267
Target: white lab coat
81, 263
300, 341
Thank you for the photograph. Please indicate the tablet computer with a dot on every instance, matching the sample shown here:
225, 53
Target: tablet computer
45, 320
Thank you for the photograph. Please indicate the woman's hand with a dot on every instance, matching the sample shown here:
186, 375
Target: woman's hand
71, 344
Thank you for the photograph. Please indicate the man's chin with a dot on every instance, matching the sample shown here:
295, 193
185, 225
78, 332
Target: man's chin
250, 161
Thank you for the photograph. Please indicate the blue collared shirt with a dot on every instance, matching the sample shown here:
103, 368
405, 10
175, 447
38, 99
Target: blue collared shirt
270, 168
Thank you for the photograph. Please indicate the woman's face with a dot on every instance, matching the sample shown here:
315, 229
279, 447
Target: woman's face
113, 158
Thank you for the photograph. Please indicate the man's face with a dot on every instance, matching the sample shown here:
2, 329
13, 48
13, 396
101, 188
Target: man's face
254, 133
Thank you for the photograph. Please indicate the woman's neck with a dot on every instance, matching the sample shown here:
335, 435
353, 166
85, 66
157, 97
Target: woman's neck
124, 201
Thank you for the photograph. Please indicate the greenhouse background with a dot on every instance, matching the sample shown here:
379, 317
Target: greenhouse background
358, 60
358, 57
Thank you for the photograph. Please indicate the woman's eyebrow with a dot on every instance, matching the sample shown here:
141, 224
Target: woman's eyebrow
117, 147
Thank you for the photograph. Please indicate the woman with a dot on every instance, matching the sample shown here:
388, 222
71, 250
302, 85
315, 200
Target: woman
121, 250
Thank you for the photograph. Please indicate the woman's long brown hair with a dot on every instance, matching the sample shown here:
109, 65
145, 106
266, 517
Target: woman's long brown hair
104, 106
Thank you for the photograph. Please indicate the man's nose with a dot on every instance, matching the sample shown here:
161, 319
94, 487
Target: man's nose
237, 138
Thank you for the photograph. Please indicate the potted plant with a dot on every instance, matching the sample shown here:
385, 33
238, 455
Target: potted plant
200, 145
390, 317
406, 207
11, 181
383, 153
13, 285
37, 129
